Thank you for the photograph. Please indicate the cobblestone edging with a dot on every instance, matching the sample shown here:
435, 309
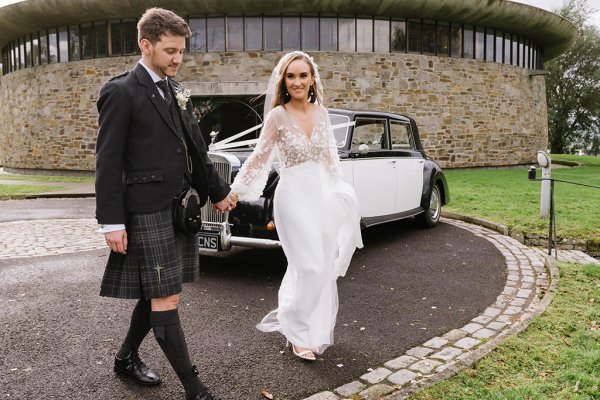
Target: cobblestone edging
529, 289
48, 237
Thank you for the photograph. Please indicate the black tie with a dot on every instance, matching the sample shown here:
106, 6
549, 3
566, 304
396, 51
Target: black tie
164, 86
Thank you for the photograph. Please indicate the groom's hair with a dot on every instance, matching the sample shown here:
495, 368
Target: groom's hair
157, 22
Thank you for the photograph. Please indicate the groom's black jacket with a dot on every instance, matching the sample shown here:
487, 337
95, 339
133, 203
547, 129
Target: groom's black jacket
140, 156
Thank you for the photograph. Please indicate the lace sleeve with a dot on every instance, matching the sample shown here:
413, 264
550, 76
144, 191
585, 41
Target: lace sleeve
250, 181
332, 159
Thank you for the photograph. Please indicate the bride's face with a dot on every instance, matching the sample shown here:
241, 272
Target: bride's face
298, 79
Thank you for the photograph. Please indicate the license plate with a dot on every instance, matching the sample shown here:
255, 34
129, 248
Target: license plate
208, 240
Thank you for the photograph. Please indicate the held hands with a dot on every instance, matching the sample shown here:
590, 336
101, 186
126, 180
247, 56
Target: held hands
117, 241
227, 204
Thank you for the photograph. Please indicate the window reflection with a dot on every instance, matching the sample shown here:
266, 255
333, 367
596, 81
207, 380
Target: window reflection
489, 45
215, 34
428, 37
310, 33
382, 36
101, 34
235, 34
443, 39
74, 53
399, 36
53, 46
274, 33
364, 35
63, 45
468, 42
328, 34
414, 36
253, 33
290, 33
347, 36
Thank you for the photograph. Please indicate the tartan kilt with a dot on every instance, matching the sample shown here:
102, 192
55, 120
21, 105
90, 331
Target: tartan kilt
157, 262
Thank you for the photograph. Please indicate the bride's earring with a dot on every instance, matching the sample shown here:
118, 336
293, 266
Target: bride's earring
287, 94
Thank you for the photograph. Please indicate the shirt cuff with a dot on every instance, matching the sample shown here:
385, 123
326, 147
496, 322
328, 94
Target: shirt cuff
106, 228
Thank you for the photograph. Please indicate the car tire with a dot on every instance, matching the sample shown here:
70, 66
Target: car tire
433, 211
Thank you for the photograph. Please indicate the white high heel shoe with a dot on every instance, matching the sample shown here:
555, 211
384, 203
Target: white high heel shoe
307, 354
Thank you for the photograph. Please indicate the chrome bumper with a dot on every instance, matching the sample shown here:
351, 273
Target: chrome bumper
226, 240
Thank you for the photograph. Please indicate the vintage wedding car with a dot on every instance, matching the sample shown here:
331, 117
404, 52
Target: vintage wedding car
381, 156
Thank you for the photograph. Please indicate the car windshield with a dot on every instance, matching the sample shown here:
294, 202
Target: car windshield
340, 132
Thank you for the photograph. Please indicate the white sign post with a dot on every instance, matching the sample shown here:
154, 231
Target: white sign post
546, 164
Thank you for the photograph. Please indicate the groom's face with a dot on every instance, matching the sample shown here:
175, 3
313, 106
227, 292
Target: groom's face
164, 57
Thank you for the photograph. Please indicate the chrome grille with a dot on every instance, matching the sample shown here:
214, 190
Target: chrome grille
223, 167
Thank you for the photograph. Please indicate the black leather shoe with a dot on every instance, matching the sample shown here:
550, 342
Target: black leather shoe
133, 367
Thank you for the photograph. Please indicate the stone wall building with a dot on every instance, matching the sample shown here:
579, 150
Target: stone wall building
470, 72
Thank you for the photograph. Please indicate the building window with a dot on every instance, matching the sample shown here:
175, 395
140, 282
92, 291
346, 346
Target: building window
428, 35
198, 38
53, 46
215, 34
443, 39
35, 50
399, 36
468, 41
272, 33
479, 43
63, 44
290, 33
22, 53
235, 34
499, 47
74, 51
381, 35
87, 41
130, 43
328, 34
414, 36
515, 50
310, 33
347, 34
455, 40
286, 32
489, 45
116, 38
28, 57
101, 39
44, 49
364, 35
253, 31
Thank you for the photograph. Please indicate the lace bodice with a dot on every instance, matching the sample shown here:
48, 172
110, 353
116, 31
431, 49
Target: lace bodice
281, 136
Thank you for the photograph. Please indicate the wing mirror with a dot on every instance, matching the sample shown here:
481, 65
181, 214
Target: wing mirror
363, 149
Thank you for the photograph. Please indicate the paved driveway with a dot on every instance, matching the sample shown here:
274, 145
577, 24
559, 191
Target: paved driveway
404, 288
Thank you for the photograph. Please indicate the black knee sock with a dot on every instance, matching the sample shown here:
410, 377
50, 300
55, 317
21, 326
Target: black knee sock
138, 328
169, 335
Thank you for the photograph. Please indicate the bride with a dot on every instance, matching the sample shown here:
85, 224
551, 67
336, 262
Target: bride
315, 212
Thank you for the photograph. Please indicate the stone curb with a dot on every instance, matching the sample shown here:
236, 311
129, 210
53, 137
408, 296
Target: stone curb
442, 357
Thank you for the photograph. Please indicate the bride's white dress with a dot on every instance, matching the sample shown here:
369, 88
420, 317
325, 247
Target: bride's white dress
317, 219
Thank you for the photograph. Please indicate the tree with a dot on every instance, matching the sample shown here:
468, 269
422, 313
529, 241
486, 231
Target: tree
573, 87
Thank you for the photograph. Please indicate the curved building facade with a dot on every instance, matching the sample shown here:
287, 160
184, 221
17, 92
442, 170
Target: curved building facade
471, 74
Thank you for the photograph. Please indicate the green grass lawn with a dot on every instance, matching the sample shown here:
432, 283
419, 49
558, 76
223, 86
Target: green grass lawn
507, 197
556, 357
10, 190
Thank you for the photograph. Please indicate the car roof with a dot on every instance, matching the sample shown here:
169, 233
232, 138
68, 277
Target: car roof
363, 113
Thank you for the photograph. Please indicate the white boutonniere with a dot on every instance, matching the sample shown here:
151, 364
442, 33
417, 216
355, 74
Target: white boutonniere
182, 96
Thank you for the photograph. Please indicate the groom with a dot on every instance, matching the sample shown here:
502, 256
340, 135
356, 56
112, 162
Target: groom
149, 149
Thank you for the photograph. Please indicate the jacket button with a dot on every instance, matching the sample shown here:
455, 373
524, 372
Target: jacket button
178, 151
144, 179
153, 176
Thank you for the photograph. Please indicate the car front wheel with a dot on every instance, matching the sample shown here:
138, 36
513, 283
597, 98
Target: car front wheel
431, 216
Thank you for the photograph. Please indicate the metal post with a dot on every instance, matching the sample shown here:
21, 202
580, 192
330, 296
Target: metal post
552, 225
